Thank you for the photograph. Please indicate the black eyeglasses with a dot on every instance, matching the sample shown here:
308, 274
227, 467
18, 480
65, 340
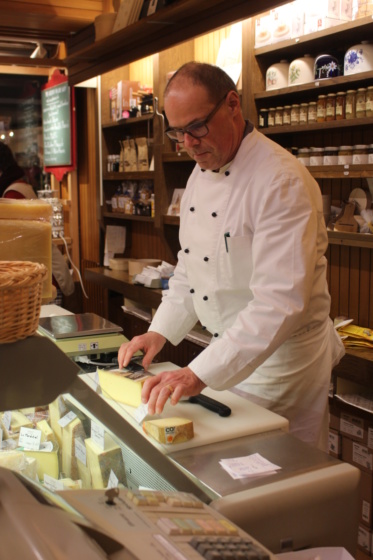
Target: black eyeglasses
196, 130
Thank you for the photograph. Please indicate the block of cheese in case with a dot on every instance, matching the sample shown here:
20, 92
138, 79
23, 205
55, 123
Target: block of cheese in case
102, 461
122, 386
84, 474
57, 409
17, 461
47, 433
169, 430
26, 234
69, 466
47, 462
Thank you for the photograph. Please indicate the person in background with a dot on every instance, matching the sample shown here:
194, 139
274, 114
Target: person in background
251, 267
13, 184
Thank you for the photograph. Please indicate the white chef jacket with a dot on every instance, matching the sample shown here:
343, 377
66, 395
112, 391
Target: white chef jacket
252, 270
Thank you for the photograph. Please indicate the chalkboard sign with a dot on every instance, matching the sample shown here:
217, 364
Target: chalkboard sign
55, 102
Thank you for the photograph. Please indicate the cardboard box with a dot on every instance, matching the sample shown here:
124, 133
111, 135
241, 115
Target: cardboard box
366, 499
281, 23
346, 10
335, 443
364, 539
127, 96
334, 417
356, 454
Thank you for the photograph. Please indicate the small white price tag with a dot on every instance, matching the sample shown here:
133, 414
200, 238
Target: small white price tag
98, 434
7, 417
29, 438
52, 483
46, 446
65, 420
80, 450
113, 480
1, 436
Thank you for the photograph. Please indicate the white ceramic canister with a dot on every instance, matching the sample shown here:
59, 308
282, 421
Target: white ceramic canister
301, 70
277, 75
359, 58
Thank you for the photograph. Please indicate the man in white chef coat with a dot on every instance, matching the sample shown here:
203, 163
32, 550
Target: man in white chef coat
251, 267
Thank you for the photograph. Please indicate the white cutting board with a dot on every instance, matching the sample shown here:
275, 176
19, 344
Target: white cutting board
246, 418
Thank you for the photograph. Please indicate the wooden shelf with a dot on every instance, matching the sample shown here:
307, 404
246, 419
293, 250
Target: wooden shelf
326, 125
171, 157
172, 25
171, 220
341, 36
128, 175
341, 171
133, 217
119, 281
129, 121
362, 240
311, 89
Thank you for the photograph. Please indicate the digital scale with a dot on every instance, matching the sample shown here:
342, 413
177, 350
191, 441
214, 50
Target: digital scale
82, 333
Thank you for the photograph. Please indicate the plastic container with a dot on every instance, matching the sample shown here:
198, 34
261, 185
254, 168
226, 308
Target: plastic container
360, 154
330, 155
303, 155
316, 156
345, 155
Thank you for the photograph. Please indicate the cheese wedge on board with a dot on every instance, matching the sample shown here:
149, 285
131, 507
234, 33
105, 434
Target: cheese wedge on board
169, 430
101, 462
122, 386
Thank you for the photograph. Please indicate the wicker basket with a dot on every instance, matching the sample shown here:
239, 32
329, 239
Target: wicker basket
20, 298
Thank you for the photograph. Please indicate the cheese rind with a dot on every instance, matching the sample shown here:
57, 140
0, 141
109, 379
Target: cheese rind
102, 462
122, 386
169, 430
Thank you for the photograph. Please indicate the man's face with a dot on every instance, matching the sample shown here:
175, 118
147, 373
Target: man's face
187, 104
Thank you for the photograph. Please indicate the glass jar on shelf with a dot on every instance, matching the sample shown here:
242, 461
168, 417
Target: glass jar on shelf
340, 105
263, 118
345, 155
286, 115
316, 156
303, 155
350, 104
271, 116
303, 113
294, 114
330, 107
330, 155
369, 102
312, 112
321, 108
279, 116
361, 103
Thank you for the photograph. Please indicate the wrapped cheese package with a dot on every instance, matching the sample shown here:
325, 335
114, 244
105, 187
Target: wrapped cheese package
26, 234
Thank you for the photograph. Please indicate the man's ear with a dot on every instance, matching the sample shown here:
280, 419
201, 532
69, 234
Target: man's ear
234, 101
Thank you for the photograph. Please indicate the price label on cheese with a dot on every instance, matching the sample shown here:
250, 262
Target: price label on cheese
80, 450
113, 480
52, 483
29, 439
65, 420
98, 434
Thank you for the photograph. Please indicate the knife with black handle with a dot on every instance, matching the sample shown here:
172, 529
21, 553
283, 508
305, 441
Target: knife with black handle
211, 404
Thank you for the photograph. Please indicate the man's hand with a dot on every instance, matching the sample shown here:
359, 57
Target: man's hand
151, 343
170, 384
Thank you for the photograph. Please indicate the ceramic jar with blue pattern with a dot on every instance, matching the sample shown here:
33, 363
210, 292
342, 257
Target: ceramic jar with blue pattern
326, 66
